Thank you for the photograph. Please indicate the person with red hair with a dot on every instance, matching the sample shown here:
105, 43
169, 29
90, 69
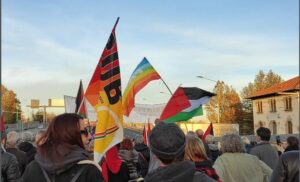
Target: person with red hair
62, 153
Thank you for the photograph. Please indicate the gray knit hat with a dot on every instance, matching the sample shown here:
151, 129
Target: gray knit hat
167, 141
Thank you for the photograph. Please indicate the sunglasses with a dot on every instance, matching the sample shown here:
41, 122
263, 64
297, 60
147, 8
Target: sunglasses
85, 131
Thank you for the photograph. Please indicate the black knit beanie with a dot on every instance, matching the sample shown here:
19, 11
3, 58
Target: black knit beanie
167, 141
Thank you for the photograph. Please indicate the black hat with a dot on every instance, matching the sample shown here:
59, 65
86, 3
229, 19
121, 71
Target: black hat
167, 141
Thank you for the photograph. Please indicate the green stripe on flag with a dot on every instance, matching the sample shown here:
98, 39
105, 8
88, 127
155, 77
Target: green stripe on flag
184, 116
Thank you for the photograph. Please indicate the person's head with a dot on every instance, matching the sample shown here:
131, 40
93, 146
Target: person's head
194, 149
199, 133
263, 134
232, 143
190, 134
12, 139
292, 141
64, 132
245, 140
126, 144
27, 136
139, 139
39, 134
167, 142
210, 139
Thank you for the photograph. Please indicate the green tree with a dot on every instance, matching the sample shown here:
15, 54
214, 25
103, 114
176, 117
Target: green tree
225, 107
261, 81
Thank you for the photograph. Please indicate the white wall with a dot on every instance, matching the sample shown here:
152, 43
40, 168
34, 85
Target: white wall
281, 117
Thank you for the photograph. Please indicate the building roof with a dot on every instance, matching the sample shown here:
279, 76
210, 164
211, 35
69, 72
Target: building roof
289, 85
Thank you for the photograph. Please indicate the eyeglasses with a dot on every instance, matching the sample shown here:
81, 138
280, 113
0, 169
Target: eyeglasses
85, 132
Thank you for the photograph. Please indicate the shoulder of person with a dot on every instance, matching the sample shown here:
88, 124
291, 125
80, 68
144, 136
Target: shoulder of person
201, 176
90, 163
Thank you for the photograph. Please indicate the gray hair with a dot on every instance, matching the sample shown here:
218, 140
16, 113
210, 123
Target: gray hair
27, 136
12, 139
232, 143
210, 139
190, 134
139, 139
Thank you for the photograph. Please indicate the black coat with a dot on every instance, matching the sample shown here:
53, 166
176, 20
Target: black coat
29, 149
21, 157
287, 168
144, 158
33, 173
121, 176
9, 168
63, 170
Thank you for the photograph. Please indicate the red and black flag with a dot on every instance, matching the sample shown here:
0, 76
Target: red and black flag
80, 103
209, 131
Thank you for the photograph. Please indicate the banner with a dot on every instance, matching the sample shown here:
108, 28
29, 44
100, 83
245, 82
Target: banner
104, 95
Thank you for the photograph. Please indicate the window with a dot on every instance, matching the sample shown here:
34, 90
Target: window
272, 104
259, 107
288, 103
274, 127
290, 127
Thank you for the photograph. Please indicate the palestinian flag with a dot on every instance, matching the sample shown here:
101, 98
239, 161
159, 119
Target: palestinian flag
185, 103
209, 131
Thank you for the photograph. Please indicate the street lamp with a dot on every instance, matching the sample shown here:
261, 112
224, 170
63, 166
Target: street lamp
218, 99
207, 79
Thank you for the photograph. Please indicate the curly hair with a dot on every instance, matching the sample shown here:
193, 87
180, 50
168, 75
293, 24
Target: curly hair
232, 143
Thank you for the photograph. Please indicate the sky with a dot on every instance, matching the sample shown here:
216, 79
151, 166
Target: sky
48, 46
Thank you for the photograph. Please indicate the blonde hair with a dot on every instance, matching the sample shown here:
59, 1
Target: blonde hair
245, 140
194, 149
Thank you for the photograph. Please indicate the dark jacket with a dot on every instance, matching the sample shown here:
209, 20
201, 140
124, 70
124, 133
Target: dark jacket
287, 168
29, 149
291, 148
206, 167
121, 176
21, 157
206, 147
184, 171
143, 159
9, 168
130, 157
266, 153
214, 151
63, 171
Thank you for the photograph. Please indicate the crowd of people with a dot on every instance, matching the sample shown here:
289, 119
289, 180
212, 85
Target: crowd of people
63, 153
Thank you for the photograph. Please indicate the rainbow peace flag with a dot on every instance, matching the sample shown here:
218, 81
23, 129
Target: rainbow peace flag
141, 76
104, 94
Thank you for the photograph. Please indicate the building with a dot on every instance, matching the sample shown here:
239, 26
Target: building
277, 107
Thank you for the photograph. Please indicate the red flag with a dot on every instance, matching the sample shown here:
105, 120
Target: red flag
208, 131
145, 135
148, 129
2, 123
176, 104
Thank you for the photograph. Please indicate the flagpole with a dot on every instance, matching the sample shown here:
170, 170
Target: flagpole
166, 86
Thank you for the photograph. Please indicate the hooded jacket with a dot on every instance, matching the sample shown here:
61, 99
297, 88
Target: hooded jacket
183, 171
63, 171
